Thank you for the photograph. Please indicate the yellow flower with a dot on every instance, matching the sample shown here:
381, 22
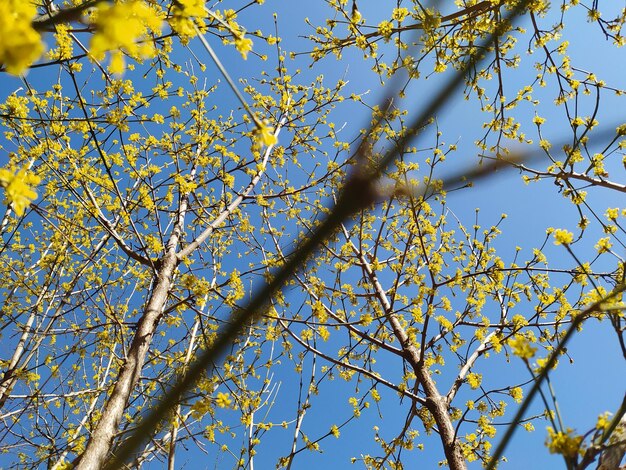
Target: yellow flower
243, 44
604, 421
385, 29
192, 8
121, 26
20, 44
517, 394
223, 400
563, 237
17, 188
612, 213
521, 347
474, 380
564, 443
440, 67
65, 44
264, 135
399, 14
183, 13
604, 245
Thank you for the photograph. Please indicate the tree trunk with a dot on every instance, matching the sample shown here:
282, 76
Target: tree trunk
102, 436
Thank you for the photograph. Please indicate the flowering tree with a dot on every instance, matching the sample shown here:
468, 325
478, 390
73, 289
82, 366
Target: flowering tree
145, 211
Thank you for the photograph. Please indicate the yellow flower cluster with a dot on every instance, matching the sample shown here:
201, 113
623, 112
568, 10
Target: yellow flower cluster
264, 135
517, 394
124, 26
604, 245
223, 400
17, 187
474, 380
242, 44
183, 13
399, 14
20, 44
385, 29
521, 347
564, 443
65, 47
563, 237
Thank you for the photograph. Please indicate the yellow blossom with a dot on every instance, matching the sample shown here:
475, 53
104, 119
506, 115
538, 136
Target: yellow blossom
183, 13
20, 44
243, 44
17, 188
544, 144
517, 394
564, 443
603, 245
612, 213
264, 135
223, 400
521, 347
399, 14
385, 29
440, 67
64, 41
563, 237
604, 421
474, 380
121, 26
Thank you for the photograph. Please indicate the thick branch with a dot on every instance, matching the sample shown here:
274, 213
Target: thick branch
436, 404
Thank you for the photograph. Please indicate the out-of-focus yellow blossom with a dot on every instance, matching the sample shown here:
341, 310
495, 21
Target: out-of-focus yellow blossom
123, 26
183, 13
264, 135
20, 44
17, 187
564, 443
521, 347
